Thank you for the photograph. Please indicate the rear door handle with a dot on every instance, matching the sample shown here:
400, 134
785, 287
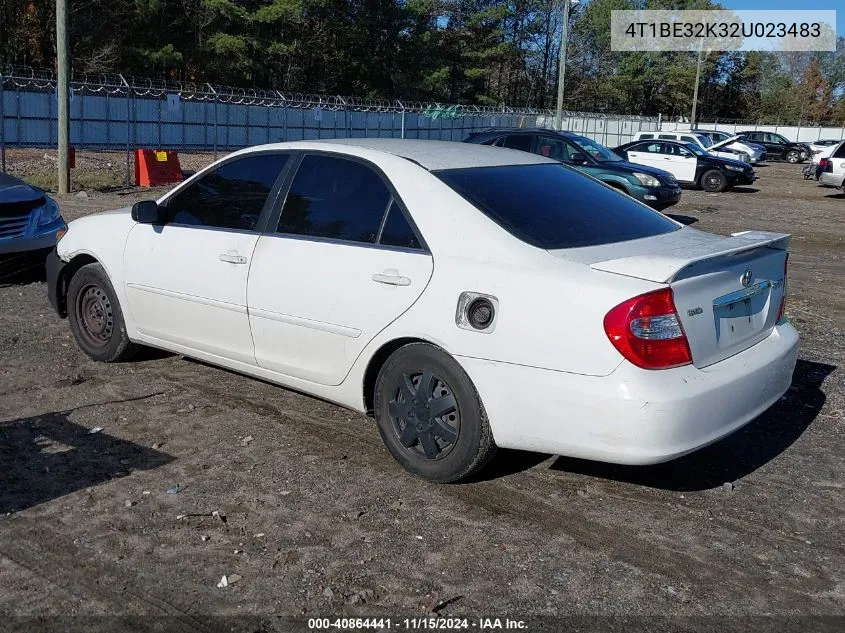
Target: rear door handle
391, 278
232, 258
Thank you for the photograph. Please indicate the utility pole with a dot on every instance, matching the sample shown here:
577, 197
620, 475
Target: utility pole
62, 94
567, 5
695, 91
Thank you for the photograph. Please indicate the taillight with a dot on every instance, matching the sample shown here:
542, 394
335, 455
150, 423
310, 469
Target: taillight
783, 292
647, 331
824, 163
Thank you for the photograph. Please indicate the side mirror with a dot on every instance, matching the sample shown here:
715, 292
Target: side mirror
147, 212
578, 158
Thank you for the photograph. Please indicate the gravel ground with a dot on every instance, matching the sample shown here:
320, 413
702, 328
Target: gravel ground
298, 499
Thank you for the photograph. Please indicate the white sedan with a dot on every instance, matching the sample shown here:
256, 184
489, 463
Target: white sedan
467, 297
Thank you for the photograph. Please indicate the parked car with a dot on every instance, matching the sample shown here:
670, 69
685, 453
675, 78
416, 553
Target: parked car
819, 159
699, 140
466, 296
656, 187
778, 147
831, 170
29, 223
756, 153
818, 148
690, 164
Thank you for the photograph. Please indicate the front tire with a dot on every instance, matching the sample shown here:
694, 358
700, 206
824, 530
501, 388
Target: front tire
713, 181
430, 416
95, 317
793, 157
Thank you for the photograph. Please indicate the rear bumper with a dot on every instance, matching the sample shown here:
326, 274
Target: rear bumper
633, 416
830, 179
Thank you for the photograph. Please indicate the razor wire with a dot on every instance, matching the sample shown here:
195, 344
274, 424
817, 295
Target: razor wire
44, 80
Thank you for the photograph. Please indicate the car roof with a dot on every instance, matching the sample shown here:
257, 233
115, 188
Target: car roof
493, 131
431, 155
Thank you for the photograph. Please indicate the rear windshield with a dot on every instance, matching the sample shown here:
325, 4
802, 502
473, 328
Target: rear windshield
553, 206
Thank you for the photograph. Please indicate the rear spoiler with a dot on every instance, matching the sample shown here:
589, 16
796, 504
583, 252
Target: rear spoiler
664, 267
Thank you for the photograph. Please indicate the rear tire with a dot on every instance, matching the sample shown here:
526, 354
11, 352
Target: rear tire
713, 181
95, 317
430, 416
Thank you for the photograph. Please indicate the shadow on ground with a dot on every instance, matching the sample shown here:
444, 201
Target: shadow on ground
683, 219
744, 190
735, 456
48, 456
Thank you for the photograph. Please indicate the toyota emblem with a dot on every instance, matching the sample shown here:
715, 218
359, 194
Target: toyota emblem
746, 278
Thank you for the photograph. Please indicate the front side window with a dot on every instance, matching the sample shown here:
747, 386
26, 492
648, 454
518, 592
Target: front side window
335, 198
595, 150
555, 149
551, 206
230, 197
687, 149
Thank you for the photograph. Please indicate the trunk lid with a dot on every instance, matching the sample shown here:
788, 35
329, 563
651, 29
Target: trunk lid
727, 290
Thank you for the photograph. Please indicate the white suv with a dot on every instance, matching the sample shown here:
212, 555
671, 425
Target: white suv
699, 140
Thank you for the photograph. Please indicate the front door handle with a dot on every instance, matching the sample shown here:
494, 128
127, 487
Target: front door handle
392, 278
232, 258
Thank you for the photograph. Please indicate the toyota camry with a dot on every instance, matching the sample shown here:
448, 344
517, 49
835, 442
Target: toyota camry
467, 297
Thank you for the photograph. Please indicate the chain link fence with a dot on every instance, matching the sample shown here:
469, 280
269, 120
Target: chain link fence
114, 113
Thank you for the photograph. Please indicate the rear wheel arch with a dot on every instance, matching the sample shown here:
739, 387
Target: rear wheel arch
377, 361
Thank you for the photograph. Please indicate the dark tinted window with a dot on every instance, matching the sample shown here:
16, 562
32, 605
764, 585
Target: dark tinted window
552, 206
556, 149
521, 142
397, 230
670, 137
651, 148
231, 196
840, 152
646, 135
335, 198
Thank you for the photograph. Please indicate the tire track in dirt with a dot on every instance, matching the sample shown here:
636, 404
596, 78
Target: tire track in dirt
46, 553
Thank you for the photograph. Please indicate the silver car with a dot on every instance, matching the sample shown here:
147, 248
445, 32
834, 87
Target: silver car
756, 153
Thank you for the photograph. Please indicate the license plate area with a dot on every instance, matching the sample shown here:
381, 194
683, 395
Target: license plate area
742, 315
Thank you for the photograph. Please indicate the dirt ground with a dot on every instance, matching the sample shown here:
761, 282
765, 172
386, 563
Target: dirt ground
299, 498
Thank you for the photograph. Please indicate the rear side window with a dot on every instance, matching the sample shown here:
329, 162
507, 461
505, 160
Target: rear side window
335, 198
521, 142
644, 136
397, 230
230, 197
669, 137
553, 206
840, 152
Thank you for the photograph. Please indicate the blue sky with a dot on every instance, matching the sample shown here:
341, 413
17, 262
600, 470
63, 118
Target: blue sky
807, 5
